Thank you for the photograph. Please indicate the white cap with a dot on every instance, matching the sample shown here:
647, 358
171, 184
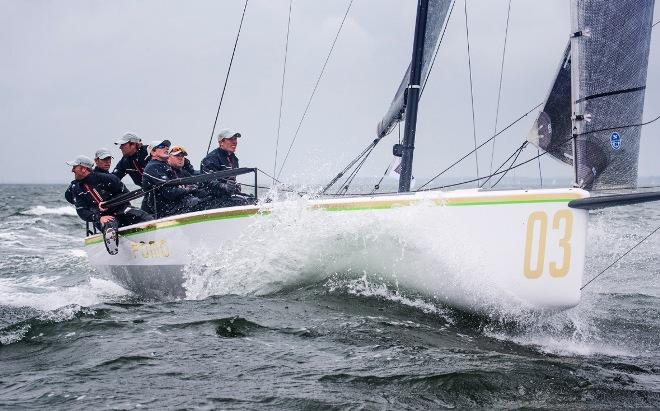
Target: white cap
155, 144
128, 138
102, 153
227, 133
81, 161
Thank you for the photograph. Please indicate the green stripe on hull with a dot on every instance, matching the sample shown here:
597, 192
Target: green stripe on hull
329, 207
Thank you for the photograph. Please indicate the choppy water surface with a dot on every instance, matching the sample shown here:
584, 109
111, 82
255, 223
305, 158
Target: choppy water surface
70, 338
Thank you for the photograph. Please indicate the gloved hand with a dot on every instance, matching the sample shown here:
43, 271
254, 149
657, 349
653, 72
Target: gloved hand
230, 187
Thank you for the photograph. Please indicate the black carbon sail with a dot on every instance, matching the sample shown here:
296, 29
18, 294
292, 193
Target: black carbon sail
609, 55
435, 21
551, 131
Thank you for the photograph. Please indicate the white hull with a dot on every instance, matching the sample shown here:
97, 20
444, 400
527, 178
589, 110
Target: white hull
467, 248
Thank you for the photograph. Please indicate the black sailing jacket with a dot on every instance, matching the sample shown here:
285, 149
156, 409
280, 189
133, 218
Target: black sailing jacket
165, 201
132, 165
218, 160
86, 194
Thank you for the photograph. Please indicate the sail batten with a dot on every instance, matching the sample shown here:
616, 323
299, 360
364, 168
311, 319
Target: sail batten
436, 19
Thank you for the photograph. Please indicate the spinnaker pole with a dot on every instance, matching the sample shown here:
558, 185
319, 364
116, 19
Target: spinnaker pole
412, 96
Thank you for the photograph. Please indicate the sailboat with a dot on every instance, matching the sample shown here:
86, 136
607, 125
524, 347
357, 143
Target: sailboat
515, 248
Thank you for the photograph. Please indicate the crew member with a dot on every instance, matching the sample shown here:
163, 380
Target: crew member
135, 158
179, 162
224, 158
90, 190
103, 159
167, 200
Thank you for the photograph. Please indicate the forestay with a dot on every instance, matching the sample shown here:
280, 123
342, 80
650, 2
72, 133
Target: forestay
610, 53
436, 16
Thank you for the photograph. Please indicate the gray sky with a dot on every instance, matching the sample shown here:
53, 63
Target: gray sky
76, 75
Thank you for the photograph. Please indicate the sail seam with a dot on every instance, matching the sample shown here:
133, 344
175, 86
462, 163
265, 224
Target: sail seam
610, 93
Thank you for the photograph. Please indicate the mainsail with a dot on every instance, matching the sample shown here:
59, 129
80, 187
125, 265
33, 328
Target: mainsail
435, 20
551, 131
609, 54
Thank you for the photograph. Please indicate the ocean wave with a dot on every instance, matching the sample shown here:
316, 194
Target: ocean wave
43, 210
36, 326
45, 296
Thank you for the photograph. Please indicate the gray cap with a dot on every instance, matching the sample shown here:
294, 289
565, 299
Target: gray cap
227, 133
128, 138
155, 144
82, 161
102, 153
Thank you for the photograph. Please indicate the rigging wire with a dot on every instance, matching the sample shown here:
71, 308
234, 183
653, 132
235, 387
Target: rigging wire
620, 257
318, 80
474, 126
504, 163
520, 150
654, 24
499, 90
231, 61
542, 154
481, 145
538, 151
279, 119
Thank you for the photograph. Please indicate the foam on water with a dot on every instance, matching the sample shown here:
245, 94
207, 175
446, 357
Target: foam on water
43, 294
297, 245
43, 210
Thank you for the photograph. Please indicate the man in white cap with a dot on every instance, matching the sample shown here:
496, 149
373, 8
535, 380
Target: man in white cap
160, 200
103, 159
90, 190
223, 157
134, 158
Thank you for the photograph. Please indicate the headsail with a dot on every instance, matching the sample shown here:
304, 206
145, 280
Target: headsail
551, 131
609, 54
436, 16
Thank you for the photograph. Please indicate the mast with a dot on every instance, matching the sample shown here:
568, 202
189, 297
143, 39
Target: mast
412, 96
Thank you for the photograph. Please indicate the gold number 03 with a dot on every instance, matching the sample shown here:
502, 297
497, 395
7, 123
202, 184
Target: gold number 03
540, 218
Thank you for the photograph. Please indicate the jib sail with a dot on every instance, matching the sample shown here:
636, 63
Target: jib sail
609, 56
551, 131
435, 20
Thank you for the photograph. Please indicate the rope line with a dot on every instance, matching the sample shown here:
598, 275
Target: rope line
504, 163
543, 153
231, 61
499, 90
279, 118
474, 124
481, 145
520, 150
620, 257
318, 80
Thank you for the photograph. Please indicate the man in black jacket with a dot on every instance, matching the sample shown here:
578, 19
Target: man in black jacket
165, 201
103, 159
224, 158
135, 158
90, 190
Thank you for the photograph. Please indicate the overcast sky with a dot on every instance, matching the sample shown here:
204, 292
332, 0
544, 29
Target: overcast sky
76, 75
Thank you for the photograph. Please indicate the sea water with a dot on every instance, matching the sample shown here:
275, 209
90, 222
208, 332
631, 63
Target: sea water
300, 335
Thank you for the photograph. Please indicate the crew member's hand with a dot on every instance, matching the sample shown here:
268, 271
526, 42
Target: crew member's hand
102, 207
104, 219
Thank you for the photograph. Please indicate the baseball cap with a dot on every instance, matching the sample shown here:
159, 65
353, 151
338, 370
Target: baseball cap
128, 138
178, 151
102, 153
81, 161
227, 133
157, 144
